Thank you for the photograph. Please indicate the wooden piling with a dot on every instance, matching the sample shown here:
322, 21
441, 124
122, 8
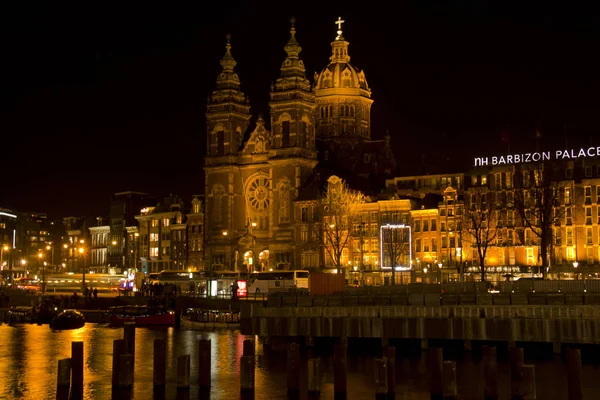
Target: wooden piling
125, 379
490, 373
129, 337
309, 344
249, 347
314, 378
247, 377
574, 374
390, 355
339, 371
77, 369
528, 382
381, 379
516, 372
183, 372
293, 371
63, 381
118, 350
436, 373
159, 375
204, 363
449, 380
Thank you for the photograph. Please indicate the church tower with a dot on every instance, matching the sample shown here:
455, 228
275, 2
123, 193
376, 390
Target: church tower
342, 94
228, 110
292, 104
227, 120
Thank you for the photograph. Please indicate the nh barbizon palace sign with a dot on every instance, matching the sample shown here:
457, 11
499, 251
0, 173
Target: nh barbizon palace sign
569, 154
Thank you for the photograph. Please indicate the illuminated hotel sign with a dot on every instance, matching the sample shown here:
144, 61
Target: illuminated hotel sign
568, 154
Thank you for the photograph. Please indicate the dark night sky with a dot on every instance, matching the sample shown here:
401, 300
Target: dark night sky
101, 98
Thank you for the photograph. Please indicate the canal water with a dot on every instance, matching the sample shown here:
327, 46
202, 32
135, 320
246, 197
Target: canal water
29, 357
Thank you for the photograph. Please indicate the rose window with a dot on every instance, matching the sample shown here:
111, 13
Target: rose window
258, 193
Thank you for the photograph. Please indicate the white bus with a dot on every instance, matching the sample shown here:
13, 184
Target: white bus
277, 281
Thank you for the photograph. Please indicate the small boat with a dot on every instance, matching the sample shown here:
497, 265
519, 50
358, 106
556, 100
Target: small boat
141, 315
68, 319
19, 314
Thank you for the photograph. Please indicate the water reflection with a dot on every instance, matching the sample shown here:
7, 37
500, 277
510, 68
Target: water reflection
29, 357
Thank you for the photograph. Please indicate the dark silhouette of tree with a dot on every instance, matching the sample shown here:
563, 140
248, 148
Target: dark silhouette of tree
478, 225
538, 191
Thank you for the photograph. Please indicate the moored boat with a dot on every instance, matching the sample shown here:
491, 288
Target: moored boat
141, 316
68, 319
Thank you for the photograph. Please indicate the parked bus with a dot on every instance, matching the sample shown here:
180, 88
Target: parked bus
278, 281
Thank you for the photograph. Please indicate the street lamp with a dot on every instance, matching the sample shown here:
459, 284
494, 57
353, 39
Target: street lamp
2, 250
254, 259
81, 250
440, 271
43, 268
575, 265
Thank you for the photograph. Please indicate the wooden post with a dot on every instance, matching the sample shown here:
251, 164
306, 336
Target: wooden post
309, 343
339, 372
574, 374
528, 382
449, 375
314, 378
178, 318
247, 377
293, 371
118, 350
436, 373
183, 372
490, 373
516, 372
204, 363
129, 337
381, 382
63, 381
249, 347
125, 371
159, 376
77, 369
390, 355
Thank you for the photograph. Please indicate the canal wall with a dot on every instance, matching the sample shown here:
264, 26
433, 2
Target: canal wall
556, 324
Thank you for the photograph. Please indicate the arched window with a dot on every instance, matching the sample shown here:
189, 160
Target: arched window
217, 209
284, 200
220, 137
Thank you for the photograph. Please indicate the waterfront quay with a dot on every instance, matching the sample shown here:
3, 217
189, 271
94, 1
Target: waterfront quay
554, 318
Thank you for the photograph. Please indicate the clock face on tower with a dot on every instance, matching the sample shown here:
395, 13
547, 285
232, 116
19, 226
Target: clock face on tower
258, 193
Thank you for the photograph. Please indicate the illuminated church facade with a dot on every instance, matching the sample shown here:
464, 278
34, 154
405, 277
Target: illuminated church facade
254, 171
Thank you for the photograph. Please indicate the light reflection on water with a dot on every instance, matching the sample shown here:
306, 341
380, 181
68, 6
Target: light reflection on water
29, 357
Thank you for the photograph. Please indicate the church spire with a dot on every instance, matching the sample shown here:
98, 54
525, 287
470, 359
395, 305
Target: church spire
292, 48
228, 79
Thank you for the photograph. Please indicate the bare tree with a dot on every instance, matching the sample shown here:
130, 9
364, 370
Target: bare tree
340, 204
538, 190
478, 227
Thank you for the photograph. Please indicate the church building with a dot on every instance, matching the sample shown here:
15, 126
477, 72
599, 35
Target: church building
255, 169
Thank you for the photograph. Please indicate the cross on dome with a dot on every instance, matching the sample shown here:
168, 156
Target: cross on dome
339, 23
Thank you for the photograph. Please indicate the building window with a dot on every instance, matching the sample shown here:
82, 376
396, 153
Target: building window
569, 216
220, 142
374, 231
154, 237
530, 256
557, 236
588, 215
425, 245
154, 223
374, 215
569, 236
417, 225
588, 172
434, 244
569, 173
418, 245
304, 214
154, 252
285, 134
588, 235
304, 234
588, 194
567, 196
433, 225
425, 225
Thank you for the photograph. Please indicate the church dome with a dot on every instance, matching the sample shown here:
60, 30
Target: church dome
340, 74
